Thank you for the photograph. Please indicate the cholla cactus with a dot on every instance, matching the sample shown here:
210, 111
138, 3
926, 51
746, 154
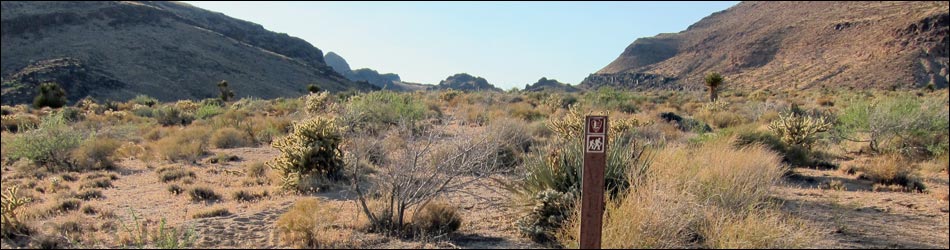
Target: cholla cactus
550, 211
313, 149
571, 126
187, 106
716, 106
10, 202
797, 128
318, 103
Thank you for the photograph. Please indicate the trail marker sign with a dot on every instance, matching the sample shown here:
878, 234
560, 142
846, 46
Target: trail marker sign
592, 196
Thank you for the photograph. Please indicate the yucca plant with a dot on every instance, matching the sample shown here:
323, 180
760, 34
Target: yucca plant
713, 81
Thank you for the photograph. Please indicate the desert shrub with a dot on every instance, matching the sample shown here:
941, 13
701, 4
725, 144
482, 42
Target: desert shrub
797, 127
216, 212
169, 115
65, 205
89, 195
173, 174
318, 103
98, 182
608, 98
379, 110
550, 211
437, 218
246, 196
757, 229
49, 145
553, 176
686, 124
203, 194
513, 139
311, 150
144, 100
89, 209
175, 189
141, 234
230, 138
906, 124
794, 155
893, 170
208, 111
19, 122
310, 224
187, 144
95, 153
50, 95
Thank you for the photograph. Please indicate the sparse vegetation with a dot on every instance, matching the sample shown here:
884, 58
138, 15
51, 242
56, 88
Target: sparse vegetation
216, 212
203, 194
310, 223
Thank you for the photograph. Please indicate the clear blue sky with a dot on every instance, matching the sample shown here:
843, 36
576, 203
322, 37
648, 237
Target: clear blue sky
508, 43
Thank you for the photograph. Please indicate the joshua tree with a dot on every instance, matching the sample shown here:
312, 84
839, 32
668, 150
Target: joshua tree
226, 93
713, 81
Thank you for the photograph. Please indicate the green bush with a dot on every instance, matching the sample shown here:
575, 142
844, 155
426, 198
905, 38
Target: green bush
791, 154
172, 115
379, 110
49, 145
311, 150
906, 124
145, 100
50, 95
208, 111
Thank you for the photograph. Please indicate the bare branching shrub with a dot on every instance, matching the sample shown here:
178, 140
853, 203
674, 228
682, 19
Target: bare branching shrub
414, 174
311, 151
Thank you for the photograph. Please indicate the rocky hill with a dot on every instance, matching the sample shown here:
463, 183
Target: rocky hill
388, 81
794, 45
545, 84
168, 50
465, 82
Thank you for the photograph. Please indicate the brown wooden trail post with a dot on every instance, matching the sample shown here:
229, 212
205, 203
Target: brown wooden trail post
592, 196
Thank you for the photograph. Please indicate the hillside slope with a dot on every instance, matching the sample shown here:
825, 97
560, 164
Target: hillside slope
796, 45
168, 50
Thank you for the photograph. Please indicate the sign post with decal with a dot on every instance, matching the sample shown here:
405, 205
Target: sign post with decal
592, 196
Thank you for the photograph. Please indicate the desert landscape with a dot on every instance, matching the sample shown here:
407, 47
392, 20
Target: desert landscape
822, 126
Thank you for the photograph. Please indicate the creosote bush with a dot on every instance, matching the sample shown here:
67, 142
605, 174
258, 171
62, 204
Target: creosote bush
231, 138
50, 95
311, 151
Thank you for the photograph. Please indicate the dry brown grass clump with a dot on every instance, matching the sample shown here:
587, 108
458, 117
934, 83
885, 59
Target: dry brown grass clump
310, 223
894, 173
231, 138
95, 154
437, 218
707, 197
203, 194
168, 174
215, 212
188, 144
